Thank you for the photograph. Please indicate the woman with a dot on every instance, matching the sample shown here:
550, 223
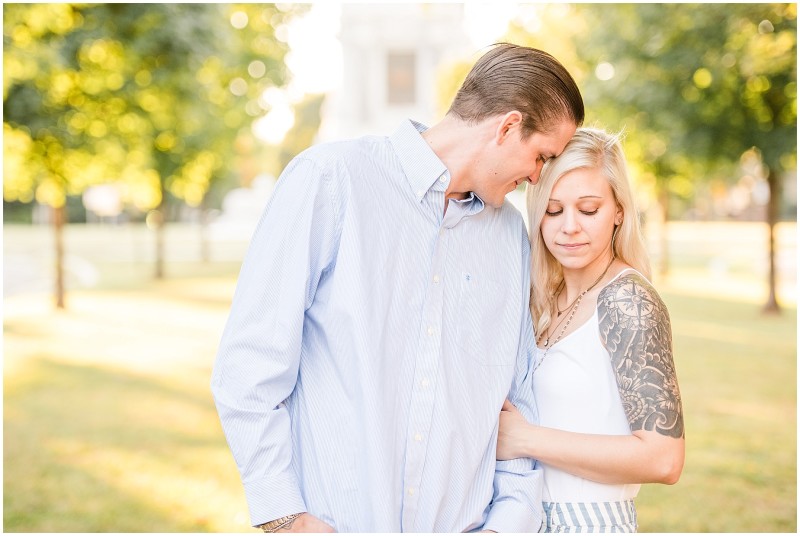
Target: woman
603, 375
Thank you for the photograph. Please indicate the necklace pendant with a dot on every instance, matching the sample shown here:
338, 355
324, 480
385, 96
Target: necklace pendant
546, 341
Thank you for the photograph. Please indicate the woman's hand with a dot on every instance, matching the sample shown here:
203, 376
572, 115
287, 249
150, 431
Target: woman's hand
639, 458
512, 435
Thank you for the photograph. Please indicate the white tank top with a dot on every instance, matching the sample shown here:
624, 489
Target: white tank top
576, 390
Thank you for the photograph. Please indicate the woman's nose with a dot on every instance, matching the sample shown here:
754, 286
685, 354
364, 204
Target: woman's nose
570, 223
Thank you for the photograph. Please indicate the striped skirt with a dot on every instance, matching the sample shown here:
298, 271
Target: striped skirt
590, 516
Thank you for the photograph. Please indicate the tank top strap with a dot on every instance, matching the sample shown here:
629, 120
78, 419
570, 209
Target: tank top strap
625, 271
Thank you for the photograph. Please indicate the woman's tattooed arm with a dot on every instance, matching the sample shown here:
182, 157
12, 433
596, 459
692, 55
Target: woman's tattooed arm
635, 329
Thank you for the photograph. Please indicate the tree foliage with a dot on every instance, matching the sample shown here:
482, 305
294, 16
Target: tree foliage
698, 88
151, 95
699, 85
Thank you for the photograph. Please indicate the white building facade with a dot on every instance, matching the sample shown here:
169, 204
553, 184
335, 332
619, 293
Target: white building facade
391, 55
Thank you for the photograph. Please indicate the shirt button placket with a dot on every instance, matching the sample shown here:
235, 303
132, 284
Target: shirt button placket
423, 396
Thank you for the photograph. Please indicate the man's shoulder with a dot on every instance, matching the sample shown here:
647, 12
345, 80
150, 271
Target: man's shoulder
340, 165
335, 153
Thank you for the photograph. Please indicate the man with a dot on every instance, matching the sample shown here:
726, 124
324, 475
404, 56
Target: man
381, 318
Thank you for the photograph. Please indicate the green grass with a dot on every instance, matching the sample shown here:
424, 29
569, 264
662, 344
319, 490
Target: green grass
737, 371
109, 425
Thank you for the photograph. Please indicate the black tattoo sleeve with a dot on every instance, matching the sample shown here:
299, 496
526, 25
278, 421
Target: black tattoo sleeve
635, 329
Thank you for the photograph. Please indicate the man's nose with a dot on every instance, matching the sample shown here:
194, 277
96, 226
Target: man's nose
533, 178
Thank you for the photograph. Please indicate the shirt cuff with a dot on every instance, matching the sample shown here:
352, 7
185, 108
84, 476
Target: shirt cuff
512, 516
273, 497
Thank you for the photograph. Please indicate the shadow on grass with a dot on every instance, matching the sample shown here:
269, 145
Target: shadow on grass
737, 370
93, 449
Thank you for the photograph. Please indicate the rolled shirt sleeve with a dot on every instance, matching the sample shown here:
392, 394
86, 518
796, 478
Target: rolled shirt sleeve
258, 358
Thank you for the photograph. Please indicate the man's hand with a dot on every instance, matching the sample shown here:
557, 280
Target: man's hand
307, 523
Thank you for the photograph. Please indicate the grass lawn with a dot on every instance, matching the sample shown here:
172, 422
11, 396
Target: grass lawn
109, 425
737, 371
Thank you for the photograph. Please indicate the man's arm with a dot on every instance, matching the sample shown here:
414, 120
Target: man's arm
517, 502
259, 355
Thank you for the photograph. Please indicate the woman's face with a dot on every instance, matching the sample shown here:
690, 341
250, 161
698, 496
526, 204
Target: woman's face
579, 221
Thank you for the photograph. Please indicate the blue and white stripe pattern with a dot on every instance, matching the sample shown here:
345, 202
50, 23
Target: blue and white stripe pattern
371, 343
590, 516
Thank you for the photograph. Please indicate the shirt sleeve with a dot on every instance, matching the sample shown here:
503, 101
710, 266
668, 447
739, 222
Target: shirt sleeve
517, 501
259, 354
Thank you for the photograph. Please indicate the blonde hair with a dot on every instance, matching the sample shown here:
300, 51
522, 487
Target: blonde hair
589, 148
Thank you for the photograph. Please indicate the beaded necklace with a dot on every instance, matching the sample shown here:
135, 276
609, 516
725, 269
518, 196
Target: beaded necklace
572, 310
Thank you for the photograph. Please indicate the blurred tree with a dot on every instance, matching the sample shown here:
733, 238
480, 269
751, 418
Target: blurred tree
253, 61
150, 95
49, 138
695, 87
699, 88
448, 81
301, 135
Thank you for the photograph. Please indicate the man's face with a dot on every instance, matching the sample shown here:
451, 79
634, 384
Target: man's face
517, 160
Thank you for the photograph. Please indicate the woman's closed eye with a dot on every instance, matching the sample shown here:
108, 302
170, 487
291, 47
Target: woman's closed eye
556, 212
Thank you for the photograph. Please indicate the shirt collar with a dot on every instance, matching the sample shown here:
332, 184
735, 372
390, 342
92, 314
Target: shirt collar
472, 203
421, 165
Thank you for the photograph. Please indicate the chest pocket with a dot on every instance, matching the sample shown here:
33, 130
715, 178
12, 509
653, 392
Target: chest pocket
488, 326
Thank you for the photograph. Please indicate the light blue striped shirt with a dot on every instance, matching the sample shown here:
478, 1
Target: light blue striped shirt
371, 342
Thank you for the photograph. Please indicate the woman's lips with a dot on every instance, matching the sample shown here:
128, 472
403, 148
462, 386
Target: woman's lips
572, 246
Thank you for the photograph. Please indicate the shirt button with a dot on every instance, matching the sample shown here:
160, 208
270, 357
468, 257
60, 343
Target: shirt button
418, 437
419, 193
424, 382
430, 330
443, 178
436, 279
411, 491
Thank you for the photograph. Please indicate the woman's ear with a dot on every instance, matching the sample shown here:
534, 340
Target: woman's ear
619, 216
509, 123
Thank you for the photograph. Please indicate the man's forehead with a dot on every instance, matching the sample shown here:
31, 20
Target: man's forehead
560, 137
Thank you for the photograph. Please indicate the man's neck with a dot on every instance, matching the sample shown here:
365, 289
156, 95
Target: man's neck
458, 145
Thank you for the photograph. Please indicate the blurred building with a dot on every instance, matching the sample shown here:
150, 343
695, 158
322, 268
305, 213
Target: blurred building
241, 209
391, 54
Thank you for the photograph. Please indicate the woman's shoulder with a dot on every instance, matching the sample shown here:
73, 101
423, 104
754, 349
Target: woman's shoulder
630, 300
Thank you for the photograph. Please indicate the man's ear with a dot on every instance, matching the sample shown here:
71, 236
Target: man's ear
509, 124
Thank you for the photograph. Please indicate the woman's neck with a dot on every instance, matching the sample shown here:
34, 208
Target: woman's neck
588, 278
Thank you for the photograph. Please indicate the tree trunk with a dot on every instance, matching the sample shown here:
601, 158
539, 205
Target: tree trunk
205, 247
663, 200
158, 226
59, 215
773, 209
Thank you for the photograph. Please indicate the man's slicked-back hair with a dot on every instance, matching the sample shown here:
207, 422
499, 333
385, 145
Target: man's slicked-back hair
512, 77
